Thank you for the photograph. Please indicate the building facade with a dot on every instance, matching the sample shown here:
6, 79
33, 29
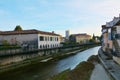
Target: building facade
80, 38
105, 38
67, 33
111, 39
31, 38
112, 33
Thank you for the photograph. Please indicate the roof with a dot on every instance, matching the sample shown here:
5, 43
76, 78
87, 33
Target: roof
81, 35
112, 23
33, 31
118, 23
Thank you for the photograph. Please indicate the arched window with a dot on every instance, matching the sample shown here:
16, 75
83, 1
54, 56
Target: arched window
40, 46
48, 46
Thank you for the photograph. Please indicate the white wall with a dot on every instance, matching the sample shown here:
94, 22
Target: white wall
19, 38
48, 42
28, 38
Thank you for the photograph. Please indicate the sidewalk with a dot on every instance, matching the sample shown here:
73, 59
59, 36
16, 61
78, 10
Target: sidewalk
99, 73
111, 67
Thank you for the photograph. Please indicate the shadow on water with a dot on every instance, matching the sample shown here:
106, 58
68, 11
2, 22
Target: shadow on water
44, 71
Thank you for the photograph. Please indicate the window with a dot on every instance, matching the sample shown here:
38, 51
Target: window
117, 36
53, 38
50, 38
57, 38
41, 38
40, 46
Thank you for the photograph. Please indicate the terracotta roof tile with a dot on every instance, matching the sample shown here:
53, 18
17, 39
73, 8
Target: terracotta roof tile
81, 35
33, 31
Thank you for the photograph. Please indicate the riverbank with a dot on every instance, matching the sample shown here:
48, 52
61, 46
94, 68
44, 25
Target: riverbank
31, 63
82, 72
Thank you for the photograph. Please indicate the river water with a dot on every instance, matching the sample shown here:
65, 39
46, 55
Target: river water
42, 73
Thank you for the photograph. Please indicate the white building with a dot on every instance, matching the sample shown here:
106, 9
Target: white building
31, 38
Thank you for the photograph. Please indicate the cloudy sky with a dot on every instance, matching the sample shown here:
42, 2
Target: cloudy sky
78, 16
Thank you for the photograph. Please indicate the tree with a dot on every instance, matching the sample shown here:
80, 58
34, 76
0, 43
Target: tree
5, 43
18, 28
93, 37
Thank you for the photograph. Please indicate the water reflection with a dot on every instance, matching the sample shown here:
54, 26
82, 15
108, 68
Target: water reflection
17, 58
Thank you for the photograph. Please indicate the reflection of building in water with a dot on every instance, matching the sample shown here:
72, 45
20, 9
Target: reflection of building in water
17, 58
31, 38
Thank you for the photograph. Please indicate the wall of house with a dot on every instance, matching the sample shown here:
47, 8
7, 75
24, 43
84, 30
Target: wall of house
110, 42
105, 41
46, 42
82, 40
118, 32
20, 39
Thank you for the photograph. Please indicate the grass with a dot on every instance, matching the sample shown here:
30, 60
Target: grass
94, 58
61, 76
81, 72
9, 47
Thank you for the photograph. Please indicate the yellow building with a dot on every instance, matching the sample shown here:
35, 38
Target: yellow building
80, 38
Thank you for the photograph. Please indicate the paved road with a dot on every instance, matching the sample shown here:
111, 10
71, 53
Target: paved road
99, 73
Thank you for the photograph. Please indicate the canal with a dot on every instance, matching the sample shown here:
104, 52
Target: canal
38, 72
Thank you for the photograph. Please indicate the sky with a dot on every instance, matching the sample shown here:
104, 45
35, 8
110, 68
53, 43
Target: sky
77, 16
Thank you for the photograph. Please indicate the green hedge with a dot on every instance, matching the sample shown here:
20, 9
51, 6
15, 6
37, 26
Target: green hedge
9, 47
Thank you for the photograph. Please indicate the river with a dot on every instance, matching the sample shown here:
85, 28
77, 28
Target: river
42, 73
